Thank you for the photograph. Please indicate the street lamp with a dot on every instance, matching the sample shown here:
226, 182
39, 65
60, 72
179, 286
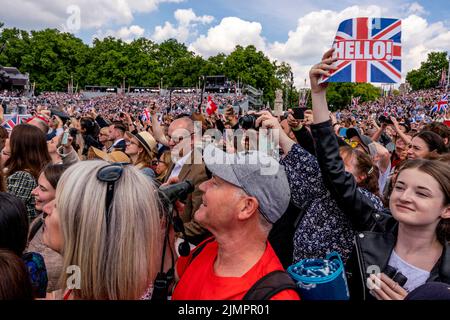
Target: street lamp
290, 94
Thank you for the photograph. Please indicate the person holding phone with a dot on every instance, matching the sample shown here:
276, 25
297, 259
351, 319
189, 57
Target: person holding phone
299, 122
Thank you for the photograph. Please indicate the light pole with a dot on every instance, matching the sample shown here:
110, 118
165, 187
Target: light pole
290, 93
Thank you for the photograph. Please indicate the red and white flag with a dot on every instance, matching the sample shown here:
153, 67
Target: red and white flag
211, 107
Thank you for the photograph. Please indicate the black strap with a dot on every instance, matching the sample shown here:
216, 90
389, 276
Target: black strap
199, 249
164, 279
263, 289
269, 285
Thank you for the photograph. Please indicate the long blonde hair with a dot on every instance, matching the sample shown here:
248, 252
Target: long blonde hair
120, 263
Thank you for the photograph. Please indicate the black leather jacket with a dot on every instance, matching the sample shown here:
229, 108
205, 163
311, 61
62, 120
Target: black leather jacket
376, 230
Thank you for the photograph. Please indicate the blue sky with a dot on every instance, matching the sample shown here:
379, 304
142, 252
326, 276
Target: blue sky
286, 30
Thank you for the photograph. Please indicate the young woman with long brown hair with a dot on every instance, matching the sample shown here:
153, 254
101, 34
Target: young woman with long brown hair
29, 155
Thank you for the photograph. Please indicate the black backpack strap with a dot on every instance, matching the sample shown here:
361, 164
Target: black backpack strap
269, 285
199, 249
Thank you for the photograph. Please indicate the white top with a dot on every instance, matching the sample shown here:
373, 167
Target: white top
115, 144
416, 277
178, 165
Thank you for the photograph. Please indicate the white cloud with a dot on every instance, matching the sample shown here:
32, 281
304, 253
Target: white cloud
94, 14
127, 34
187, 16
417, 9
421, 38
187, 22
225, 36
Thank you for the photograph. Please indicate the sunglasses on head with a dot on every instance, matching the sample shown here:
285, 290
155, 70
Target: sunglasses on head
110, 174
353, 144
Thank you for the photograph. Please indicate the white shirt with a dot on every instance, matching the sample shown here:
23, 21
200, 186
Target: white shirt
114, 145
178, 165
416, 277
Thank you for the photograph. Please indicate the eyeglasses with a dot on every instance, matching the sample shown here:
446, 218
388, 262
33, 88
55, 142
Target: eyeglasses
128, 142
156, 162
179, 139
110, 174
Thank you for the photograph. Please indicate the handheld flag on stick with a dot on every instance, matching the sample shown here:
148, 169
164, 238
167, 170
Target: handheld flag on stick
10, 121
211, 107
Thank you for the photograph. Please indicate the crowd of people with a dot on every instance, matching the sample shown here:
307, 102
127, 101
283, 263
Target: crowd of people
80, 103
149, 197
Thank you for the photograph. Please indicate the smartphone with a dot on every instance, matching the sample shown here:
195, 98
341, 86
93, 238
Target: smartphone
299, 113
343, 132
65, 138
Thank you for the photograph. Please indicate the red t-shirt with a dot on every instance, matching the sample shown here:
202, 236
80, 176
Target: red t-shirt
199, 282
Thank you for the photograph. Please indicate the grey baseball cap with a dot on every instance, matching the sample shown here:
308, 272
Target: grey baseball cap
258, 174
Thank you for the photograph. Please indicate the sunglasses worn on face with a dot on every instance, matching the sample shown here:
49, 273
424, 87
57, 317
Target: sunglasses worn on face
110, 174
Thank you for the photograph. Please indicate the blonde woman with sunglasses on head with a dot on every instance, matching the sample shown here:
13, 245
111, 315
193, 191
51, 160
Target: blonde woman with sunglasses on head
106, 221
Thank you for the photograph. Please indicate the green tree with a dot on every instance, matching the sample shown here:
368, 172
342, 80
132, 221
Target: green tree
429, 73
254, 68
214, 65
53, 58
339, 94
49, 56
109, 62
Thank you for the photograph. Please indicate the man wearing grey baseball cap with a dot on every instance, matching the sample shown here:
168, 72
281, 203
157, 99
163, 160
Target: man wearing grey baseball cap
247, 193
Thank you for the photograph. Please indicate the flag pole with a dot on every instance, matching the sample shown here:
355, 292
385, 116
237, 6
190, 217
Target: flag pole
300, 98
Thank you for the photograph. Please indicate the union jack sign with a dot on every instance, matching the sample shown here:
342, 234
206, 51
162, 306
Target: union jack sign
369, 50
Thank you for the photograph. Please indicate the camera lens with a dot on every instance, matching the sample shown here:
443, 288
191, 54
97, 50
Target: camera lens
247, 122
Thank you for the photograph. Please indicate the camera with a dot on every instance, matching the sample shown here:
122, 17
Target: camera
248, 121
62, 115
178, 191
382, 119
299, 113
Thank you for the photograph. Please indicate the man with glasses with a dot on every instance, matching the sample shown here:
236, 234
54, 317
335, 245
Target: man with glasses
187, 165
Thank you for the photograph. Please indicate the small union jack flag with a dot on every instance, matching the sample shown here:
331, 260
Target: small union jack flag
10, 121
146, 115
441, 105
369, 50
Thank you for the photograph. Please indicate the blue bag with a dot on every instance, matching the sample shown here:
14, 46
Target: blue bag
321, 279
